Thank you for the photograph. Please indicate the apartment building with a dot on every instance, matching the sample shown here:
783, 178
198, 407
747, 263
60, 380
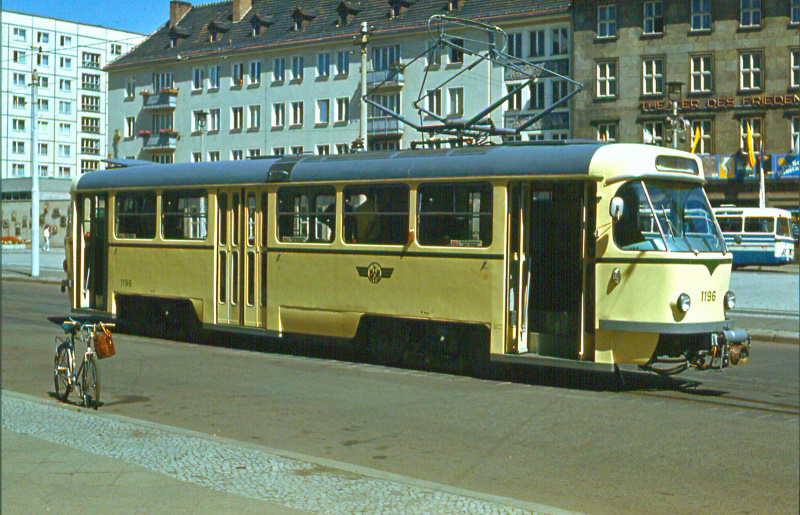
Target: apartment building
243, 78
666, 72
72, 116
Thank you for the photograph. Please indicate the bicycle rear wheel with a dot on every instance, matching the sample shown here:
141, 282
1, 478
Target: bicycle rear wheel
91, 383
61, 372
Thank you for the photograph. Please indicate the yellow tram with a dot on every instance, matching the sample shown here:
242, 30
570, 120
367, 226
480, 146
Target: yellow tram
575, 254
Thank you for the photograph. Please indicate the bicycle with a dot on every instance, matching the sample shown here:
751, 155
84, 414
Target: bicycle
86, 379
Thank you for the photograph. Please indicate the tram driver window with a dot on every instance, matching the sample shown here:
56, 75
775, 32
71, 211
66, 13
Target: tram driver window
376, 215
185, 215
306, 214
759, 224
135, 215
455, 215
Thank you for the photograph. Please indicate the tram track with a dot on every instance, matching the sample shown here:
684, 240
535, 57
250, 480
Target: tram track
726, 401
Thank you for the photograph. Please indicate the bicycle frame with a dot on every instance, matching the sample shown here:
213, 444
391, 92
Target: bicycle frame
74, 375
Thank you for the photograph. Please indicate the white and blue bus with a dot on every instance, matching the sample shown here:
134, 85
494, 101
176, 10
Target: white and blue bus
757, 236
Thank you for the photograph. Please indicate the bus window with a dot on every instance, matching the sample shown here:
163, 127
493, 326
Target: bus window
135, 215
184, 215
731, 224
376, 215
784, 227
457, 215
762, 224
306, 214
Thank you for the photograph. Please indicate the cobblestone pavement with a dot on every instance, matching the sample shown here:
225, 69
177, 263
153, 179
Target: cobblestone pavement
315, 486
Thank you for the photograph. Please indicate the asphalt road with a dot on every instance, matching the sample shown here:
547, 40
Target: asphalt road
560, 439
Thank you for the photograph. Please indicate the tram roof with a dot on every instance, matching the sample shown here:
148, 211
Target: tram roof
558, 160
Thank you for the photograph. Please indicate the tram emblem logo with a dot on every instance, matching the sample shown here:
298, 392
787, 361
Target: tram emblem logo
374, 272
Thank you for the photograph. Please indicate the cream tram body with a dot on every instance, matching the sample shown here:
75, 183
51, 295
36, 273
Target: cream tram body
506, 252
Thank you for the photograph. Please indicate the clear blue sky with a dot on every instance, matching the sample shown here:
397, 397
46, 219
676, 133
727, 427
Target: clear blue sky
142, 16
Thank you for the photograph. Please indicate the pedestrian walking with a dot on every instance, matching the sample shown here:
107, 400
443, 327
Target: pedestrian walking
46, 247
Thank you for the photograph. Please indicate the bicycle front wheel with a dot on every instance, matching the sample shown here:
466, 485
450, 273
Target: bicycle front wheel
61, 372
91, 383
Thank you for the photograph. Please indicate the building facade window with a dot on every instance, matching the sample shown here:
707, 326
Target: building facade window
756, 125
116, 49
90, 60
162, 121
17, 170
20, 34
653, 76
278, 151
794, 128
701, 14
385, 56
213, 120
750, 13
456, 54
64, 107
704, 144
18, 124
130, 121
434, 97
607, 132
65, 63
537, 95
65, 85
297, 68
130, 87
161, 81
255, 72
514, 102
19, 57
64, 172
66, 41
237, 72
343, 63
64, 151
197, 157
456, 96
607, 21
323, 111
750, 71
43, 149
278, 115
297, 150
342, 109
18, 102
794, 15
253, 152
17, 147
44, 104
90, 146
90, 103
297, 114
653, 133
90, 124
701, 74
653, 17
536, 43
237, 155
560, 41
515, 45
795, 64
254, 117
197, 79
64, 129
342, 148
324, 65
213, 155
90, 81
19, 80
213, 77
559, 89
42, 37
279, 70
237, 118
607, 79
323, 150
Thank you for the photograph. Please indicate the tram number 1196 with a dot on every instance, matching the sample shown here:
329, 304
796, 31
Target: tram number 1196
708, 296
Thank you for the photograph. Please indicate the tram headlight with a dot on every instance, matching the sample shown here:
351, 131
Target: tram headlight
616, 277
730, 300
684, 302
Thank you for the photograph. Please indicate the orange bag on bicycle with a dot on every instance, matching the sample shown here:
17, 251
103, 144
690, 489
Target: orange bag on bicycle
104, 343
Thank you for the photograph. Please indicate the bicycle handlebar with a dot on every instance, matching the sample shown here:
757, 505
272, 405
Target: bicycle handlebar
74, 327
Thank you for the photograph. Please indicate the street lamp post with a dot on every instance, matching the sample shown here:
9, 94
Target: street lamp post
201, 125
675, 122
35, 176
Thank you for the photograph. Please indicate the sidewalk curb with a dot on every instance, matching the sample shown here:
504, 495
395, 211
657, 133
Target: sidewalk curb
761, 335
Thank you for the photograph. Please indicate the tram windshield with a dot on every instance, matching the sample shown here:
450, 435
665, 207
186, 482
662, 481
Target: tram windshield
662, 215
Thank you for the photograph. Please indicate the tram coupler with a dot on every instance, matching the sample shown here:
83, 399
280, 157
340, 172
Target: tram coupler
730, 347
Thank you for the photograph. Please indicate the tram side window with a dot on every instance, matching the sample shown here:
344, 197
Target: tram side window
730, 224
307, 214
136, 215
376, 215
185, 215
759, 224
455, 215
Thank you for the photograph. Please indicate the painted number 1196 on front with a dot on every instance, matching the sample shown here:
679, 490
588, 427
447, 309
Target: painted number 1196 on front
708, 296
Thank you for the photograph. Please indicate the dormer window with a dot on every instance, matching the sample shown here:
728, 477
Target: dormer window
455, 5
398, 7
302, 17
216, 28
347, 11
260, 24
177, 34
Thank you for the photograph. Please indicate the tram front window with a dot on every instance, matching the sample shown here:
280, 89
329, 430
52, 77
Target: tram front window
662, 215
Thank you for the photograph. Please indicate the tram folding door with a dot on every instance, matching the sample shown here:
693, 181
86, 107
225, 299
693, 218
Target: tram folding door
238, 257
545, 275
91, 250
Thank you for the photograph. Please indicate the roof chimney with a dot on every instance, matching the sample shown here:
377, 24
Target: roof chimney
177, 10
240, 8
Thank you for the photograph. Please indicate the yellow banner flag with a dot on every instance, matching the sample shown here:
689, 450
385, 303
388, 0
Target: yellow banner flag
750, 153
696, 139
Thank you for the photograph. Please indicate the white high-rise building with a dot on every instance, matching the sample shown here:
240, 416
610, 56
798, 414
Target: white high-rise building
72, 116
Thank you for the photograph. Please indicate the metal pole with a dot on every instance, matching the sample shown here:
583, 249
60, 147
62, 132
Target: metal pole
674, 124
363, 42
35, 177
